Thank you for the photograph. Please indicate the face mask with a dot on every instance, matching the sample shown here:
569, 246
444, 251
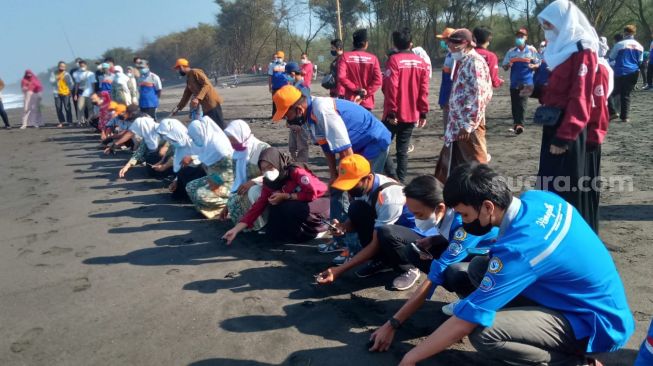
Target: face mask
145, 71
443, 45
457, 56
130, 74
475, 228
520, 42
278, 60
182, 73
550, 35
304, 61
83, 68
426, 225
357, 191
271, 175
241, 146
334, 53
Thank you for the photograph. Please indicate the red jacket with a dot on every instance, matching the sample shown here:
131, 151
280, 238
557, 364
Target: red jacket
307, 186
307, 70
493, 64
406, 87
597, 127
570, 87
359, 70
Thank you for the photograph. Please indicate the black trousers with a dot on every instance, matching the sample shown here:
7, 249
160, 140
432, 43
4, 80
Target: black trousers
3, 114
216, 116
150, 112
592, 199
620, 98
402, 132
518, 106
62, 104
185, 175
649, 74
297, 221
362, 217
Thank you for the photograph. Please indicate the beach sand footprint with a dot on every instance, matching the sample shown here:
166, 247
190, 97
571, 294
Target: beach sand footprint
173, 271
84, 251
81, 284
55, 251
26, 340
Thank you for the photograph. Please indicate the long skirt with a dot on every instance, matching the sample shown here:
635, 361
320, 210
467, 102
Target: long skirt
590, 210
184, 176
460, 152
297, 221
208, 202
32, 110
239, 205
562, 173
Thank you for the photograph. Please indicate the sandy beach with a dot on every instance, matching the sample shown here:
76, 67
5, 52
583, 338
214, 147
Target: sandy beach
96, 270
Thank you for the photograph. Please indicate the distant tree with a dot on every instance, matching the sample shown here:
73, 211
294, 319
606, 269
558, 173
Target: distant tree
121, 55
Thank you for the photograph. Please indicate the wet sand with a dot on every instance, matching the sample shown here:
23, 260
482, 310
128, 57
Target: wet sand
95, 270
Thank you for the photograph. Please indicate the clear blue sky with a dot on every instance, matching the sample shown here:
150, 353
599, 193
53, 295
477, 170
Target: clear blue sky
32, 34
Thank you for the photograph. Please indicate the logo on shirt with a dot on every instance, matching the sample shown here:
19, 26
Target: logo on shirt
455, 248
544, 220
487, 283
387, 73
583, 70
460, 234
495, 265
598, 91
304, 180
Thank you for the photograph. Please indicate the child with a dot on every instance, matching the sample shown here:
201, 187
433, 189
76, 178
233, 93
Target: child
298, 136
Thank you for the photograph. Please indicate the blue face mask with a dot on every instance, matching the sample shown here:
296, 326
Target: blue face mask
145, 71
520, 42
443, 45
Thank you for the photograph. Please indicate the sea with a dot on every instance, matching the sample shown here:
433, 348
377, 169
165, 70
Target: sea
12, 101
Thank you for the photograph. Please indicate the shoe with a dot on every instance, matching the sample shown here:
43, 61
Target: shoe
448, 309
330, 247
372, 268
647, 87
406, 280
519, 129
23, 127
60, 125
7, 127
344, 257
626, 120
411, 148
614, 116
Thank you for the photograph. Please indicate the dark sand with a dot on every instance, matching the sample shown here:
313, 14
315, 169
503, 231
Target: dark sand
100, 271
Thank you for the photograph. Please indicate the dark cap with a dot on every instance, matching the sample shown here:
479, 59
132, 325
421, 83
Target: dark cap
460, 35
132, 108
293, 67
522, 32
360, 36
141, 64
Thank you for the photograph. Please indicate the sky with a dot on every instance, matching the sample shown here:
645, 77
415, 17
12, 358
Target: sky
32, 31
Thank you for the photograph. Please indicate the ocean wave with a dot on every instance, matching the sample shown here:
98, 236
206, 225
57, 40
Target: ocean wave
12, 101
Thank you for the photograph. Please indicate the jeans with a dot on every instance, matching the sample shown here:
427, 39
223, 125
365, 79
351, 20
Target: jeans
151, 112
620, 98
402, 132
3, 114
518, 104
62, 104
216, 116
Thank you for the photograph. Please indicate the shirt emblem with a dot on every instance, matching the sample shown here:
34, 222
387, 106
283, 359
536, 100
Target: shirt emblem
487, 283
495, 265
460, 234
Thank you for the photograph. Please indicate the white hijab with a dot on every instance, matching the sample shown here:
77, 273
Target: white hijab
240, 131
145, 128
209, 139
176, 134
419, 51
572, 26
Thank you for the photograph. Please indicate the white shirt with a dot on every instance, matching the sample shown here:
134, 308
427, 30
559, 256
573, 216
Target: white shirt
85, 80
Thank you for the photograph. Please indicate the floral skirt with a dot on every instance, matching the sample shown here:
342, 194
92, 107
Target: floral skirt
239, 205
207, 201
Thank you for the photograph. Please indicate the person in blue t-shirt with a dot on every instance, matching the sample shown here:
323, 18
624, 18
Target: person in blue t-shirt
277, 75
447, 77
645, 356
626, 57
522, 60
545, 256
298, 136
149, 87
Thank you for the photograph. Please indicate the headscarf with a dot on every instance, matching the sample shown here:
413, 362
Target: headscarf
176, 134
572, 26
145, 128
31, 82
282, 162
419, 51
239, 130
123, 80
105, 114
603, 47
211, 142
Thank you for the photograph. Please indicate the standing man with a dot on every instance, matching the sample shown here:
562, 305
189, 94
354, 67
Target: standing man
76, 91
277, 75
149, 87
627, 55
359, 73
307, 69
84, 82
62, 87
521, 60
471, 92
200, 92
406, 91
298, 135
335, 89
3, 113
483, 36
447, 77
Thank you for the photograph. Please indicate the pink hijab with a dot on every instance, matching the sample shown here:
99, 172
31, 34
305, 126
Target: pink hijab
31, 82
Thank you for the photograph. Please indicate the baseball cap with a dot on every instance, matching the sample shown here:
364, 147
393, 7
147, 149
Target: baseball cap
522, 31
460, 35
280, 54
351, 170
120, 109
181, 62
293, 67
445, 33
133, 108
283, 99
112, 106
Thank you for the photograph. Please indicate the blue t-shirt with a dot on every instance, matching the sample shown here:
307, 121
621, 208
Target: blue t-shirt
445, 87
541, 74
338, 124
546, 252
645, 356
627, 55
148, 86
519, 60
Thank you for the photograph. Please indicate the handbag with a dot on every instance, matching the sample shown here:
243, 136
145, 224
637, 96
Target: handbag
329, 81
547, 116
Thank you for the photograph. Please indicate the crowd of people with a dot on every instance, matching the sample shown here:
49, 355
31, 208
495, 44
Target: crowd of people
521, 300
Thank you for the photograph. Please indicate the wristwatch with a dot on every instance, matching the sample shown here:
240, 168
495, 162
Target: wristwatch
394, 323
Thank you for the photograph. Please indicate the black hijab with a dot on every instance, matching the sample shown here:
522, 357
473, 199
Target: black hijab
283, 162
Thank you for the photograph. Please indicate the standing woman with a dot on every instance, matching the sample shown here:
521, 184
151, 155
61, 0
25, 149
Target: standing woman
294, 197
32, 90
176, 134
247, 182
209, 194
571, 55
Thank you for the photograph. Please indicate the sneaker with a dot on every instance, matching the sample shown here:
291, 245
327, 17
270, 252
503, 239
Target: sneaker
519, 129
372, 268
614, 116
411, 148
333, 246
7, 127
344, 257
23, 127
406, 280
626, 120
647, 87
448, 309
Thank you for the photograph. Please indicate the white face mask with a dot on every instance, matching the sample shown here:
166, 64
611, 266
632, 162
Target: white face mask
428, 224
271, 175
457, 56
550, 35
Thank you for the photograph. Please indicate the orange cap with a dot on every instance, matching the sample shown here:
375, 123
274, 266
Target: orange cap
112, 106
352, 169
280, 54
181, 62
120, 109
283, 99
445, 33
